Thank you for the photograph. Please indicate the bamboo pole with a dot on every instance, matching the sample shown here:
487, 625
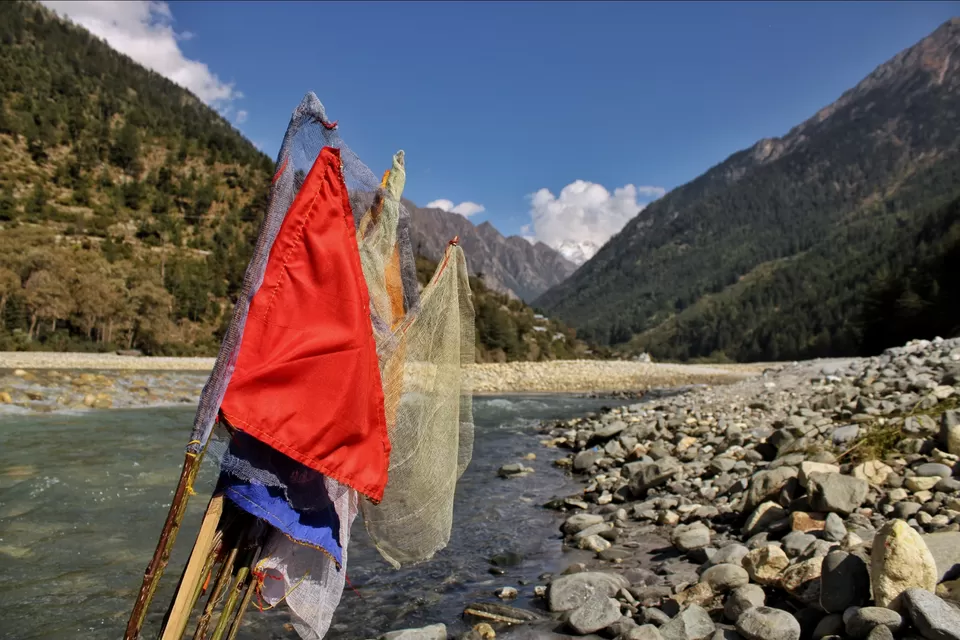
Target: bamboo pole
244, 604
197, 566
232, 600
226, 571
161, 555
242, 589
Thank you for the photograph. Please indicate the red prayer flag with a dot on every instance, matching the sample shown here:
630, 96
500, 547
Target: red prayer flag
307, 381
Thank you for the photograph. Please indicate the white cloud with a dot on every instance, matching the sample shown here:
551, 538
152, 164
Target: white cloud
585, 215
466, 209
241, 116
143, 30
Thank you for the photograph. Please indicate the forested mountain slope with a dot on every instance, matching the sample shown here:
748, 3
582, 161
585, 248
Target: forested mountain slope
129, 209
816, 243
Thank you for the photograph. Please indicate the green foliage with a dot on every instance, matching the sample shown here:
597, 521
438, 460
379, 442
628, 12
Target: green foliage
508, 330
838, 239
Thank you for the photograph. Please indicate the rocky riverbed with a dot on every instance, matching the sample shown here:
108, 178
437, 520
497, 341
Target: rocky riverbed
817, 501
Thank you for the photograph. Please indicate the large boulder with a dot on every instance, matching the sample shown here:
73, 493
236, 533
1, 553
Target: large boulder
844, 582
944, 546
900, 560
652, 475
766, 485
766, 564
693, 623
836, 493
598, 612
572, 591
767, 623
933, 618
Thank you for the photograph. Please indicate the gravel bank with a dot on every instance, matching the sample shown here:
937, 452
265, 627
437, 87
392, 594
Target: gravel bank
557, 376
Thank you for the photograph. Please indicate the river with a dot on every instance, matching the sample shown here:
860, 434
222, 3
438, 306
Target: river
83, 495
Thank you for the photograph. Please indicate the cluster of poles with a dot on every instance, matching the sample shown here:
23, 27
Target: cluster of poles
222, 566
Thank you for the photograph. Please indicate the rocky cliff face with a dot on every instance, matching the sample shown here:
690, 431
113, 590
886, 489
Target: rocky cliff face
508, 264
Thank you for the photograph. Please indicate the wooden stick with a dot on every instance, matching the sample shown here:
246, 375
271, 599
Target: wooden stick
226, 570
241, 586
161, 555
244, 604
197, 566
228, 607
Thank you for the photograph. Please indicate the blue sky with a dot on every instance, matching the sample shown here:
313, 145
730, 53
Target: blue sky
495, 101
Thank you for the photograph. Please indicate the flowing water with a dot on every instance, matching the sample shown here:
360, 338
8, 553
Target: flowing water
83, 496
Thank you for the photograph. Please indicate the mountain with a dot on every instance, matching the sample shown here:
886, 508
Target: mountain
129, 209
789, 248
578, 252
509, 264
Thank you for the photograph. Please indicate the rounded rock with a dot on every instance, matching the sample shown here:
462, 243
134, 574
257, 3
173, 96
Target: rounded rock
767, 623
741, 599
863, 621
724, 577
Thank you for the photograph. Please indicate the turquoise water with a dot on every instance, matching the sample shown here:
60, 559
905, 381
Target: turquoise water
83, 497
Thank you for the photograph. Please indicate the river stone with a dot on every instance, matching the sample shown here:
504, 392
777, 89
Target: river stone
806, 522
833, 492
690, 537
598, 612
933, 469
723, 577
730, 554
802, 580
693, 623
950, 431
432, 632
766, 485
643, 632
846, 434
796, 542
873, 472
742, 598
900, 560
921, 483
652, 475
834, 530
831, 625
593, 543
767, 623
766, 516
933, 618
764, 565
585, 459
612, 429
807, 467
844, 582
862, 621
944, 546
571, 591
580, 521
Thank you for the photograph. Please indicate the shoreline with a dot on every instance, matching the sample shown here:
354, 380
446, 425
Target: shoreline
53, 381
779, 507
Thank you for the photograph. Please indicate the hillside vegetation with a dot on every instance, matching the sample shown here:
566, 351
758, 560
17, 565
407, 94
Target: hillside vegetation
508, 330
129, 209
840, 238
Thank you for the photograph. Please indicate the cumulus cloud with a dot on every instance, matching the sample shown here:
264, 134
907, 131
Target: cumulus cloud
143, 30
585, 215
466, 209
241, 116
